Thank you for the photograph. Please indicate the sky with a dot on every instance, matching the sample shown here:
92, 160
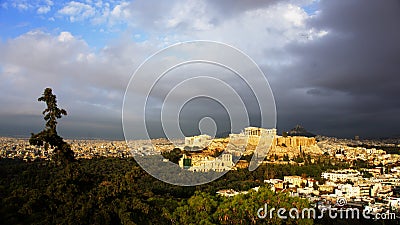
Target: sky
333, 66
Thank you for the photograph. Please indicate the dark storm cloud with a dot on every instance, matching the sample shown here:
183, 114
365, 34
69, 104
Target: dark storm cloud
353, 72
233, 7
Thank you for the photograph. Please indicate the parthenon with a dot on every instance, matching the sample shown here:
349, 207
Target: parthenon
257, 131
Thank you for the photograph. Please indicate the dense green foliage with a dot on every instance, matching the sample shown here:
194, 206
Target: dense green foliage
173, 155
118, 191
48, 137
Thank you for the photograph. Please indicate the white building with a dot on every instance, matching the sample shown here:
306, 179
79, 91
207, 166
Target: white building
342, 175
395, 169
227, 192
348, 191
257, 131
306, 191
201, 141
294, 180
222, 163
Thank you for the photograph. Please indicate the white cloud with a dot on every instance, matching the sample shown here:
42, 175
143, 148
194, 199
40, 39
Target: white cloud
254, 29
40, 6
99, 4
193, 13
21, 6
36, 60
65, 36
43, 9
97, 13
295, 15
120, 13
77, 11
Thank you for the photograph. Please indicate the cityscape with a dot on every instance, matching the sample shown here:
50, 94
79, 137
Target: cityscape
371, 179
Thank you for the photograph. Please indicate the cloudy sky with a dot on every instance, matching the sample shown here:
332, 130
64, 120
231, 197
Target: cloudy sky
333, 66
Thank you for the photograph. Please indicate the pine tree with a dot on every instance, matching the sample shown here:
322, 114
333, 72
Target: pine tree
48, 136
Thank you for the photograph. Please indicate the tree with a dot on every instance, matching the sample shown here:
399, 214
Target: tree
348, 181
48, 136
286, 158
299, 159
198, 209
174, 155
308, 159
367, 174
315, 185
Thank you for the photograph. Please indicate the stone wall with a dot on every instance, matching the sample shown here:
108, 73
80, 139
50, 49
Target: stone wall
295, 141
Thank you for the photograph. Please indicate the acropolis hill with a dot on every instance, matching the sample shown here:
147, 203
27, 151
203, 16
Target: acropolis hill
293, 145
290, 145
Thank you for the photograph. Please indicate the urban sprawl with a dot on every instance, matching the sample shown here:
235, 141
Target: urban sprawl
376, 186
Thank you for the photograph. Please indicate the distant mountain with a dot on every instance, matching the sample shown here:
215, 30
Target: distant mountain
300, 131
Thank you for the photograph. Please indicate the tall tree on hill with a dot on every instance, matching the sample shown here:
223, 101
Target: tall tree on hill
48, 136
